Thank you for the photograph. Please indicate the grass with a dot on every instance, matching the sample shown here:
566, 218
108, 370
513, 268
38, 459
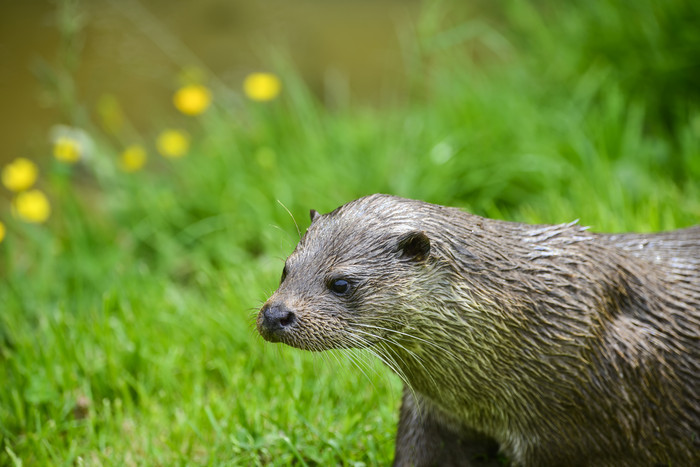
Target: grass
126, 331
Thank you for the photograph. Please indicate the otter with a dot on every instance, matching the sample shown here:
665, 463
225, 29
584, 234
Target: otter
535, 345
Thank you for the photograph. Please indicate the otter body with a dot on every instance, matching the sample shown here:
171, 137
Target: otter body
546, 344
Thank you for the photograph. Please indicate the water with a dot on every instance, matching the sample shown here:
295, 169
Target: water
136, 51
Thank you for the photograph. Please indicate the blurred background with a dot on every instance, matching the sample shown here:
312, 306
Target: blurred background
135, 50
160, 158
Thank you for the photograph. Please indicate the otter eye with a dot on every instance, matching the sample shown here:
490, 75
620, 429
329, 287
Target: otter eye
339, 286
284, 273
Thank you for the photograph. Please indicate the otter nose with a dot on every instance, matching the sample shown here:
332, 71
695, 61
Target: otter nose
275, 319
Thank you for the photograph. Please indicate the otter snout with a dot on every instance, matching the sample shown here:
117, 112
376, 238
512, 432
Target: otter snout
274, 320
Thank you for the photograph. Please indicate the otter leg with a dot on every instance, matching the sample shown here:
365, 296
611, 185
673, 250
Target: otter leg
426, 437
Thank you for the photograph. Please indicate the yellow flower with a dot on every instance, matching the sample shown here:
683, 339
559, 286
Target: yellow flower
70, 144
262, 86
67, 149
192, 99
2, 231
173, 143
32, 206
133, 158
20, 174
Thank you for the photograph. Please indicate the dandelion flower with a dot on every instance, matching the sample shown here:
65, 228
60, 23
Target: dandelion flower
67, 149
19, 174
173, 143
2, 231
70, 144
31, 206
192, 99
133, 158
262, 86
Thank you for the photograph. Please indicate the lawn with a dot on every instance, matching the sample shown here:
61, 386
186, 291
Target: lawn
127, 330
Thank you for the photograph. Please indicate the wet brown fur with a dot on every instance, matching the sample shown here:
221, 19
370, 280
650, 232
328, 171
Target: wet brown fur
552, 344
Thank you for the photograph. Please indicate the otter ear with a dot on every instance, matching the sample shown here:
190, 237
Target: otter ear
414, 245
314, 215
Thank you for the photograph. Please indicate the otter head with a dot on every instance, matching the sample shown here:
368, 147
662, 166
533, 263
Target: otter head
345, 285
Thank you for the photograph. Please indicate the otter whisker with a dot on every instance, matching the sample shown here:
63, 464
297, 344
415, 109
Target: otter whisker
388, 362
416, 357
411, 336
340, 358
361, 365
391, 340
352, 341
374, 357
384, 357
410, 353
326, 357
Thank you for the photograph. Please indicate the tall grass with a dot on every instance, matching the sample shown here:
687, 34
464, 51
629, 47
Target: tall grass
126, 322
